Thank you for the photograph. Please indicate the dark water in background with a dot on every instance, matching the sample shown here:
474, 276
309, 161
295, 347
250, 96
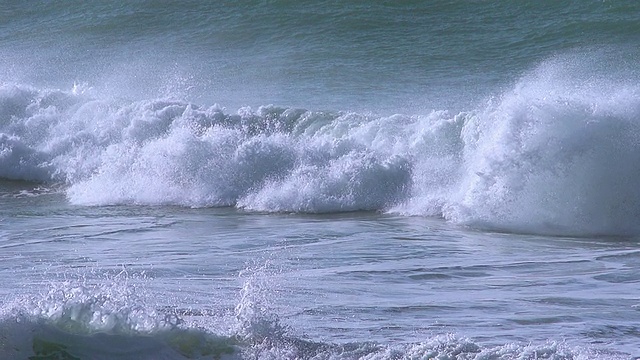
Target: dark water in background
405, 58
433, 180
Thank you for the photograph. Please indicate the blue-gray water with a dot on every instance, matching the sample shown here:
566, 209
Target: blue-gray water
321, 180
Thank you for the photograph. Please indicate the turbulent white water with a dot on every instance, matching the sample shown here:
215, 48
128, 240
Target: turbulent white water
557, 153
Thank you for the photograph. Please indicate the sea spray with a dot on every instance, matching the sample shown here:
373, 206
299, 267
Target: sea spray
557, 154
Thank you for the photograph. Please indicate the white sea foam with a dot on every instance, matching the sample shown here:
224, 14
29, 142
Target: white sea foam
557, 154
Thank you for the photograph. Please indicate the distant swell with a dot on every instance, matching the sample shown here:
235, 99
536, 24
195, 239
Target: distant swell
558, 153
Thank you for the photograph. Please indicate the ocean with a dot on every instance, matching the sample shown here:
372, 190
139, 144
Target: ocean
320, 180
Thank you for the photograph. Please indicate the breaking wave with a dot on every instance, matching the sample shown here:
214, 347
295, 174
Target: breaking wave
557, 153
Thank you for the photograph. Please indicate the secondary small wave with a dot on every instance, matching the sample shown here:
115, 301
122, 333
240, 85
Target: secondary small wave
555, 154
113, 320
